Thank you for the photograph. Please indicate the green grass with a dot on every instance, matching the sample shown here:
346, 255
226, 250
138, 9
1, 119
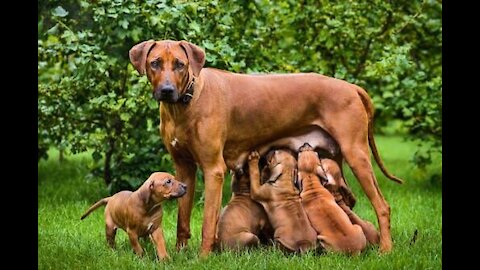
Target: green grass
65, 242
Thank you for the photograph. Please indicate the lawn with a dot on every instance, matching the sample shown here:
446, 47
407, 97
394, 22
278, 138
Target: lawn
64, 242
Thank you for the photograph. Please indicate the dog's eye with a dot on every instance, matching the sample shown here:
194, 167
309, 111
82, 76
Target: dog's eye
179, 65
168, 182
155, 64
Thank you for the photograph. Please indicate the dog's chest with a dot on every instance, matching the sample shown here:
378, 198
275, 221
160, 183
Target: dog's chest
176, 135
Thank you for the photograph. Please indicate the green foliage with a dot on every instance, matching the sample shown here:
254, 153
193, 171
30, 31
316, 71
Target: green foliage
90, 97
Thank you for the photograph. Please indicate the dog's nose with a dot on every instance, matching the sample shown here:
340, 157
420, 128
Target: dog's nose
183, 186
167, 89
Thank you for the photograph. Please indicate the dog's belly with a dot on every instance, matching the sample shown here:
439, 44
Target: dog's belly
236, 153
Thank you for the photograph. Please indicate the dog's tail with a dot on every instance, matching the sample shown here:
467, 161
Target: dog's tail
367, 103
92, 208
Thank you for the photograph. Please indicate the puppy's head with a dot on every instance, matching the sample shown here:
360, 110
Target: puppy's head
279, 161
332, 173
309, 165
335, 183
163, 186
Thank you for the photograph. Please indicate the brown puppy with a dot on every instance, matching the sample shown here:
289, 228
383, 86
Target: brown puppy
281, 201
336, 231
334, 183
210, 117
139, 213
243, 222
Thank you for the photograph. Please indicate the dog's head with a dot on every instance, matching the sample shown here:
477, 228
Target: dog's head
309, 165
279, 161
335, 183
169, 65
163, 186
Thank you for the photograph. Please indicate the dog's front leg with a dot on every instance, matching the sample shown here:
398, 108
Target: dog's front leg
185, 173
257, 191
214, 177
159, 241
133, 236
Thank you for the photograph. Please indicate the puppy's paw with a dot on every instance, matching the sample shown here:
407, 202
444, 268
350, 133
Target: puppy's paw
253, 157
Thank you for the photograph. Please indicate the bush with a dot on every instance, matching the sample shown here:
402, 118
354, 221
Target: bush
90, 97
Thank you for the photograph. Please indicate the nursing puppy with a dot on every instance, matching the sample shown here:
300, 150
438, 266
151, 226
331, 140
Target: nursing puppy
336, 231
243, 222
139, 213
281, 201
334, 183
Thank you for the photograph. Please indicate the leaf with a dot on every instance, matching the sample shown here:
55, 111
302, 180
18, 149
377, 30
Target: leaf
125, 116
59, 12
124, 24
53, 30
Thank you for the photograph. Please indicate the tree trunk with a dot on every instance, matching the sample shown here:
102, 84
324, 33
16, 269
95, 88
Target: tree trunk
61, 157
107, 172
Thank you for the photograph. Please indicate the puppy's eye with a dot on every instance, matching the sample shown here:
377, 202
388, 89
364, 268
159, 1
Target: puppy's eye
179, 65
168, 182
155, 64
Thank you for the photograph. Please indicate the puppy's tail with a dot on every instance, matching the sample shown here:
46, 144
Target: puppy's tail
367, 103
92, 208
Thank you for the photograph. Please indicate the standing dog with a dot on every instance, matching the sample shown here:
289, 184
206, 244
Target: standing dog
140, 213
243, 222
336, 231
210, 117
281, 201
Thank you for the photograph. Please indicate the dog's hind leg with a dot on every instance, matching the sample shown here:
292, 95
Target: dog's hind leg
110, 232
352, 137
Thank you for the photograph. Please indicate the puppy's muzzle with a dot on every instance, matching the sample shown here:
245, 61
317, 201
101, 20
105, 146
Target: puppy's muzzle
182, 189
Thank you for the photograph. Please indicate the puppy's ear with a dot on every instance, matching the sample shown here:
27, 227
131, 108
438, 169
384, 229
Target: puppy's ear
322, 175
145, 193
152, 185
195, 55
347, 194
298, 181
138, 55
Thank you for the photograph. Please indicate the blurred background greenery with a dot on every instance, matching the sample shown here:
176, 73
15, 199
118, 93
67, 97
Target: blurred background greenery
91, 99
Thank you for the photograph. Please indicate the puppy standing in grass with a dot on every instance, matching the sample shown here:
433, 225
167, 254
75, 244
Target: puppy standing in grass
139, 213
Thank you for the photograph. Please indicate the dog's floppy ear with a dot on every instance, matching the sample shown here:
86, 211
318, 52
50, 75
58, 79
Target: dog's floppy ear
195, 55
138, 55
146, 192
297, 181
323, 176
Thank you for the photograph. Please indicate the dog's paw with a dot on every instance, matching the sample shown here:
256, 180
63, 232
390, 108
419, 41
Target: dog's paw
253, 157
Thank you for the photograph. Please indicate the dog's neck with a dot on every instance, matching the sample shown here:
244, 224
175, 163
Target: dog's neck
241, 186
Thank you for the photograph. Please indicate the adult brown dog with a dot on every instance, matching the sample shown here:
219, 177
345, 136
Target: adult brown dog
243, 222
335, 230
281, 201
139, 213
211, 117
334, 182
